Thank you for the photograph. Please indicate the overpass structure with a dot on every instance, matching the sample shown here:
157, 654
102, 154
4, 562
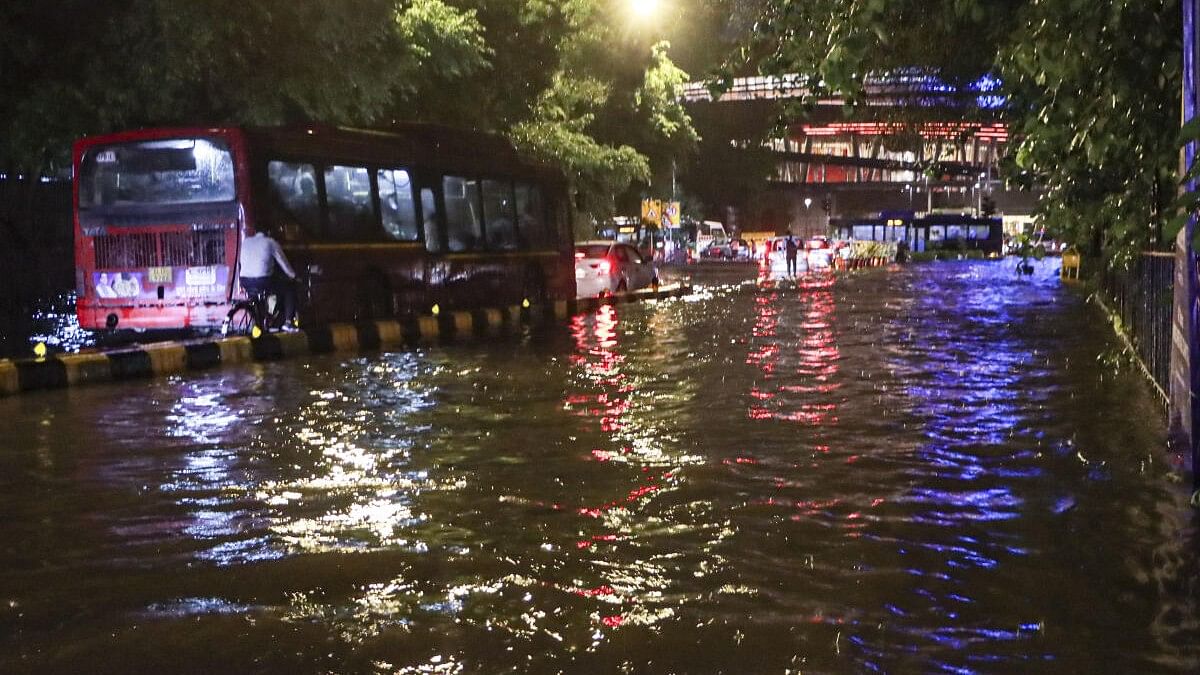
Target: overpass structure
830, 165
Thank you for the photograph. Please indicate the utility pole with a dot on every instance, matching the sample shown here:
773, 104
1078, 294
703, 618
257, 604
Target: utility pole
1185, 369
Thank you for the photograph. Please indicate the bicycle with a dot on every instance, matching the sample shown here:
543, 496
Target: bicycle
258, 313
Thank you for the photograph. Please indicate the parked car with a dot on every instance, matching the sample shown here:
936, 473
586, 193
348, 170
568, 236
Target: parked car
733, 249
775, 261
608, 267
818, 253
715, 251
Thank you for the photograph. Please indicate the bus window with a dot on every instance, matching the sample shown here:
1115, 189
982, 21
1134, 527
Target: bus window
532, 219
499, 215
980, 232
433, 228
463, 232
293, 197
159, 172
348, 207
396, 205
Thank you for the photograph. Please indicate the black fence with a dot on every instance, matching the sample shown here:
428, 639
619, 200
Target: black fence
1142, 298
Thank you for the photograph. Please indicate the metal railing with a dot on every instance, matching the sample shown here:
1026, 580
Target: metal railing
1142, 298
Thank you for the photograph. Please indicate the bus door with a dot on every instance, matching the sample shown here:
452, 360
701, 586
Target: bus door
433, 232
293, 211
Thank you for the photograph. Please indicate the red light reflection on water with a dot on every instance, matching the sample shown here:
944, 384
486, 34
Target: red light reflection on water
595, 338
798, 370
604, 395
633, 496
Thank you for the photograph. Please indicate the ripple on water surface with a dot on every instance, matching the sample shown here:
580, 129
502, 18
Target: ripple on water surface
923, 469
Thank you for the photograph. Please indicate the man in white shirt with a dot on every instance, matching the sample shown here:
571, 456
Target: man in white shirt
262, 267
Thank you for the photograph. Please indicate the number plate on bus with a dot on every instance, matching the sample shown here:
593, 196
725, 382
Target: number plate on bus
200, 276
160, 275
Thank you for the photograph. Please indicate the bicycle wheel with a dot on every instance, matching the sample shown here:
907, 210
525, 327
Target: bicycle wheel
240, 320
272, 309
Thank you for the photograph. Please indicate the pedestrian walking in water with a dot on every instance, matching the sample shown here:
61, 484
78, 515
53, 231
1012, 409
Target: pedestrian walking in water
791, 248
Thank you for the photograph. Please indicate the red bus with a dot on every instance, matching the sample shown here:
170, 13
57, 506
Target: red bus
376, 224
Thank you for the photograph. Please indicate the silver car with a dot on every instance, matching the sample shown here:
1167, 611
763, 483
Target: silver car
609, 267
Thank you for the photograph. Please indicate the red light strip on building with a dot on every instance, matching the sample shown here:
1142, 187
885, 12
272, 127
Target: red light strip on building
992, 132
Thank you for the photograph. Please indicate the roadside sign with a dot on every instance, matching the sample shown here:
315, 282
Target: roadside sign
652, 211
670, 214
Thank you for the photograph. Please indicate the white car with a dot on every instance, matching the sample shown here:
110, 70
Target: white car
608, 267
819, 253
775, 261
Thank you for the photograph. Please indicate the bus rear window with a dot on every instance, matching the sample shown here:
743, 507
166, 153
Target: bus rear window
154, 173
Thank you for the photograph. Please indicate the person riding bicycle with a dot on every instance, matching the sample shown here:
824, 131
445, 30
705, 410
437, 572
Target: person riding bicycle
263, 267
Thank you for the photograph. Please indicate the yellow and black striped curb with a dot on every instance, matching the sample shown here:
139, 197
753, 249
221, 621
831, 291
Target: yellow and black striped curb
165, 358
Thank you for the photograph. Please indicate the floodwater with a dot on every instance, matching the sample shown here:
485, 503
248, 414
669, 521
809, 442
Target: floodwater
942, 468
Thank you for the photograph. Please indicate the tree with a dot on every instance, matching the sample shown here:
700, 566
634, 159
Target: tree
1095, 98
118, 64
574, 89
611, 109
1092, 88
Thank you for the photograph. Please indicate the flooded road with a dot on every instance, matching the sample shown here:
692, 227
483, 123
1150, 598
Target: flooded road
933, 469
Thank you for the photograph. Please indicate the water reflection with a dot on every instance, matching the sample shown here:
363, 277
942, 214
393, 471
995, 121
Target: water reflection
51, 321
630, 582
353, 490
924, 469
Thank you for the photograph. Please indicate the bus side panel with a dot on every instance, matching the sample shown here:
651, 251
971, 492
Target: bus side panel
349, 282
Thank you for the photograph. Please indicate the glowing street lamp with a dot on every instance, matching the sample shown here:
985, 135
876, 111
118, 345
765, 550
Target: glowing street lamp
644, 9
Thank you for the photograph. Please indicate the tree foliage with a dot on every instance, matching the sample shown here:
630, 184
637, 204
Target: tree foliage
1093, 88
561, 77
119, 64
1100, 84
833, 45
611, 114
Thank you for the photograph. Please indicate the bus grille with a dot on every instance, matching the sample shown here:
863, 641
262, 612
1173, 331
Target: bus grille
160, 249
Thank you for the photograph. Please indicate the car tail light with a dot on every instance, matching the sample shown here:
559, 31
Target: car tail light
605, 268
579, 255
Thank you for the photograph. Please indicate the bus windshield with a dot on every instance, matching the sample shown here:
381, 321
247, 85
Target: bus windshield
153, 173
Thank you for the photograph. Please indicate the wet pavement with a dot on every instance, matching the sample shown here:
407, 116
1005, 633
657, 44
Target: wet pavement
940, 468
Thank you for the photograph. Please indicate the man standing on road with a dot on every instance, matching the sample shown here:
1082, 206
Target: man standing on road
791, 249
260, 261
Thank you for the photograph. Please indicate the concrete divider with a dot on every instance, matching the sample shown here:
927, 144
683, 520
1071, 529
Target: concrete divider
166, 358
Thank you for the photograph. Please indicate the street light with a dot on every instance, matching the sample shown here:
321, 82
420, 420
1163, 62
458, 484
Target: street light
644, 9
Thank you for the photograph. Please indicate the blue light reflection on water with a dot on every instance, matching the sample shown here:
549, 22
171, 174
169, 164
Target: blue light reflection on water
813, 476
977, 390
